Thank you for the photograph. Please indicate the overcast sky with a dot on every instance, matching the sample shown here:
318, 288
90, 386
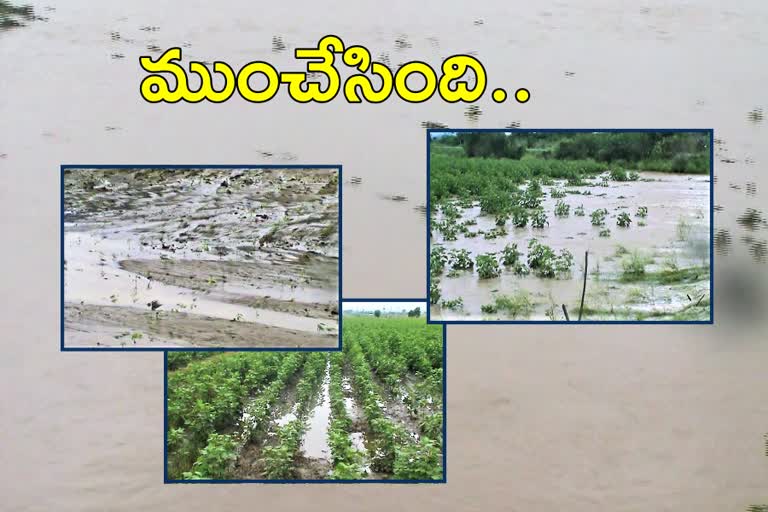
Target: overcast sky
384, 306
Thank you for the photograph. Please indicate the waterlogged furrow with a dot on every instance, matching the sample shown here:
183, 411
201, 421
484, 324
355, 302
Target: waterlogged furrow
347, 460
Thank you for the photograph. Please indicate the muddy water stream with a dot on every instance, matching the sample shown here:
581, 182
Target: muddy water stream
674, 202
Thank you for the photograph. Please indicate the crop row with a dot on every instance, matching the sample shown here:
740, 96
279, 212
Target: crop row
391, 449
207, 397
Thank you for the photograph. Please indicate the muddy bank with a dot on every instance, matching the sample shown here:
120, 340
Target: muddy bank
251, 246
115, 326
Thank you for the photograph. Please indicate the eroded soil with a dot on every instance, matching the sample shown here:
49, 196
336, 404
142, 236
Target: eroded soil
233, 257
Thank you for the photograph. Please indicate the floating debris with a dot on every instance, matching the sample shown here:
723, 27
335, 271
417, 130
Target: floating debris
278, 45
355, 180
433, 124
751, 219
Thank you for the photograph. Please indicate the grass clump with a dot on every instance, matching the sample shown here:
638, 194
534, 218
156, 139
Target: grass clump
598, 217
518, 305
633, 266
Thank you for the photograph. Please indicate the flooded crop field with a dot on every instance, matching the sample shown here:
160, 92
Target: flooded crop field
201, 257
371, 412
533, 225
541, 417
668, 236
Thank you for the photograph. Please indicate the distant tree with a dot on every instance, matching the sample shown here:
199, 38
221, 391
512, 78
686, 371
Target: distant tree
416, 312
377, 313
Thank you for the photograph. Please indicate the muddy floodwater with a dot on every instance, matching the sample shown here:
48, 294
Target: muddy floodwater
201, 257
672, 239
542, 418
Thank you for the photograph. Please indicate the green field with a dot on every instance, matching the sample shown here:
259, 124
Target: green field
373, 411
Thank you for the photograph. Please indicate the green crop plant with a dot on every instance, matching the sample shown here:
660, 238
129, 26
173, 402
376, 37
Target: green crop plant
519, 217
215, 459
579, 211
454, 304
502, 218
557, 193
545, 263
461, 259
438, 257
562, 209
633, 266
623, 220
642, 211
598, 217
487, 266
434, 291
605, 233
539, 219
510, 255
618, 174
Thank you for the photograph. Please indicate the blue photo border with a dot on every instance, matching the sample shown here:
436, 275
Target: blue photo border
64, 167
443, 480
709, 131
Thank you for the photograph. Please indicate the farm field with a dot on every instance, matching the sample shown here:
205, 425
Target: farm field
371, 412
516, 250
201, 257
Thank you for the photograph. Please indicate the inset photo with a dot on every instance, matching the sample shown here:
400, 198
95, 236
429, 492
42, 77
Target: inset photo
373, 412
570, 225
184, 257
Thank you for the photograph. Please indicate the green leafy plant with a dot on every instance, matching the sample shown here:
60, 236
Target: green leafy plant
579, 211
461, 259
605, 233
487, 266
623, 220
598, 217
519, 217
642, 211
539, 219
438, 257
562, 209
556, 193
545, 263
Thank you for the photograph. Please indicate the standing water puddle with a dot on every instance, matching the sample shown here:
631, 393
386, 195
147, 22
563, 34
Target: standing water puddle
314, 444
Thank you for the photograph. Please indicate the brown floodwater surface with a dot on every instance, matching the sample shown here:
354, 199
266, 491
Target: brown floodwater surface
540, 418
